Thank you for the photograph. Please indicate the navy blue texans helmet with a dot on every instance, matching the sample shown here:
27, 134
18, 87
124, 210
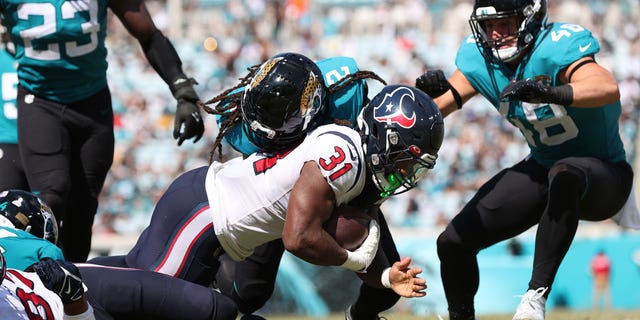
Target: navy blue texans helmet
402, 130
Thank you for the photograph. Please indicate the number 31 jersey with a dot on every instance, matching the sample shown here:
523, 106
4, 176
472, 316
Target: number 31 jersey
249, 197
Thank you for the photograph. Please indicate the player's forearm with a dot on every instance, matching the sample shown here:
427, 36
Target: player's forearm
78, 310
591, 94
316, 248
593, 86
163, 57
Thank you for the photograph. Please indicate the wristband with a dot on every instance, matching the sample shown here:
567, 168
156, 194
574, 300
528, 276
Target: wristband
353, 262
563, 95
182, 88
386, 282
456, 96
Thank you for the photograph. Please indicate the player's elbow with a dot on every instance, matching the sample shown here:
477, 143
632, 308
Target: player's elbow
296, 243
609, 93
613, 92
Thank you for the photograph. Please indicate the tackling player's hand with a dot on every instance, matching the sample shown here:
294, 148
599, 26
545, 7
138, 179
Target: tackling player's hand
404, 279
532, 91
433, 83
188, 120
61, 277
359, 259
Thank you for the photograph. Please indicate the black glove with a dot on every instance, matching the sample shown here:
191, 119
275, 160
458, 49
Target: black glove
433, 83
188, 121
537, 92
61, 277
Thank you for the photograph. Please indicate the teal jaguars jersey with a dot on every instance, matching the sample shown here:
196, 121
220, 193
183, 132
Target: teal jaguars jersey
552, 131
343, 106
59, 46
22, 249
9, 87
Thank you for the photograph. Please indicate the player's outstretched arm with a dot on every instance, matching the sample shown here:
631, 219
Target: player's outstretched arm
164, 59
404, 280
63, 278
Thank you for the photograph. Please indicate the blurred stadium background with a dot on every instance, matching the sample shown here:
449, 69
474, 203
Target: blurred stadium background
398, 40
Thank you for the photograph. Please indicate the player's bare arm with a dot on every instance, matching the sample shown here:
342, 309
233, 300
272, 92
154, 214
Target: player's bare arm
446, 102
593, 85
135, 17
311, 204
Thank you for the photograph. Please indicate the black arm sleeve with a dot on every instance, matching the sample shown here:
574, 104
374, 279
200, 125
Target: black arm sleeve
163, 57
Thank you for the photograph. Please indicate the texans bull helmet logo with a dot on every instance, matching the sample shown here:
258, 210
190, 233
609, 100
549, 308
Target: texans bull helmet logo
389, 112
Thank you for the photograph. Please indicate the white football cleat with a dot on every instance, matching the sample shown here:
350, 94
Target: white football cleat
532, 305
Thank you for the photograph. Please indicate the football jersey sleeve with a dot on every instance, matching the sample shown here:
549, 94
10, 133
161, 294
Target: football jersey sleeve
339, 156
564, 44
345, 105
22, 249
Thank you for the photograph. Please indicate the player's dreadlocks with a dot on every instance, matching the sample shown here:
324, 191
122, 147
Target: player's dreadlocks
228, 102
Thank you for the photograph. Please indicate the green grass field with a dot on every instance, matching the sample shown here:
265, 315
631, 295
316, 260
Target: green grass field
552, 315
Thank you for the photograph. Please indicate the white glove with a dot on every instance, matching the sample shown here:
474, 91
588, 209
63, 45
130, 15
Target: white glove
359, 259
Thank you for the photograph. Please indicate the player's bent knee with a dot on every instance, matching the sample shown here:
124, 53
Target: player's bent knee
225, 309
566, 171
251, 298
447, 244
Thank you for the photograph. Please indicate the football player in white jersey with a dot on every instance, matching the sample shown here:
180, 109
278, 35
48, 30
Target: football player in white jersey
290, 190
27, 236
251, 282
52, 290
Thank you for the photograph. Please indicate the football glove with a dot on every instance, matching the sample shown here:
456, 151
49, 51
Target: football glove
360, 259
433, 83
188, 121
528, 90
61, 277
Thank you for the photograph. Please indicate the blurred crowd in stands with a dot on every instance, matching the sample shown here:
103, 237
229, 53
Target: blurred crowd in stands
398, 40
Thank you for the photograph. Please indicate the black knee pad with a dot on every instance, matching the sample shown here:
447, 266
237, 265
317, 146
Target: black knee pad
448, 243
567, 185
564, 175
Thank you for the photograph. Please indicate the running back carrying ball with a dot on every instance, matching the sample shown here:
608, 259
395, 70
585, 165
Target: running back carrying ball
349, 226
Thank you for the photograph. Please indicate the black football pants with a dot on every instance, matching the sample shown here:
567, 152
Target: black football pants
122, 293
67, 150
518, 198
11, 172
